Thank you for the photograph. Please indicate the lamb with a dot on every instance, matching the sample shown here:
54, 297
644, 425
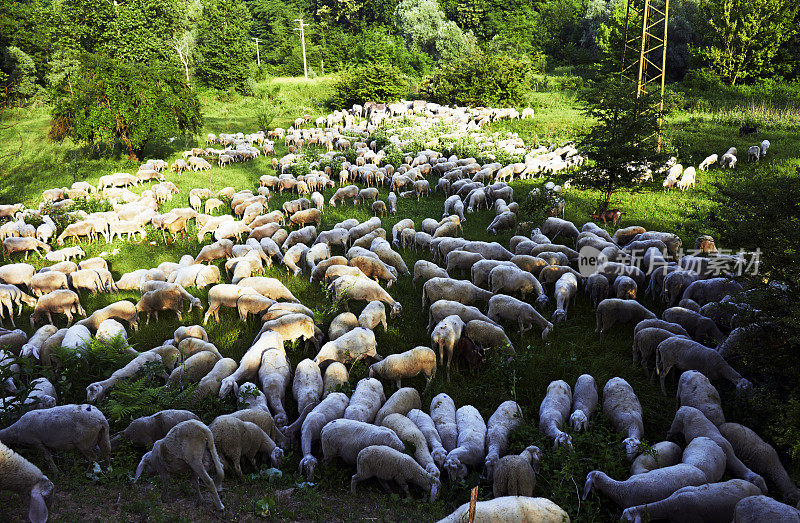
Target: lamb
511, 280
692, 424
59, 301
25, 478
511, 309
690, 355
97, 390
345, 438
186, 447
615, 310
307, 385
755, 509
407, 431
349, 288
402, 401
645, 343
712, 502
61, 428
234, 438
471, 443
443, 414
554, 411
388, 463
665, 454
695, 390
645, 488
505, 419
147, 430
754, 153
406, 365
584, 402
515, 474
366, 401
761, 458
622, 407
705, 454
425, 270
708, 162
510, 508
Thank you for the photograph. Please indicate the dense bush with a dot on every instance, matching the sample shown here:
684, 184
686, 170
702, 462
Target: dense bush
375, 82
224, 46
481, 79
20, 81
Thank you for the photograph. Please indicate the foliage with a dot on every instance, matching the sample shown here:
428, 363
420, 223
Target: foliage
136, 104
21, 80
424, 26
224, 44
480, 79
741, 37
375, 82
623, 136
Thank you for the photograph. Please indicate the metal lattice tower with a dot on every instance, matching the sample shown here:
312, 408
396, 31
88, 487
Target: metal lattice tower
644, 54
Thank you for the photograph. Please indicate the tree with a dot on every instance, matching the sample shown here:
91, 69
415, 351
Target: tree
374, 82
424, 26
137, 104
21, 75
742, 37
224, 44
622, 137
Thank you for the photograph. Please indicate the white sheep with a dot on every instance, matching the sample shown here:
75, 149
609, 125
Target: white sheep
755, 509
307, 385
345, 438
644, 488
445, 336
511, 279
709, 502
708, 162
705, 454
194, 368
584, 402
374, 314
401, 402
329, 409
147, 430
760, 457
336, 376
553, 413
566, 289
234, 438
61, 428
425, 424
695, 390
33, 346
510, 508
502, 307
42, 394
753, 153
444, 308
470, 451
251, 360
664, 454
622, 407
184, 449
407, 431
348, 288
516, 474
387, 463
764, 146
505, 419
614, 310
274, 374
23, 477
406, 365
687, 354
693, 424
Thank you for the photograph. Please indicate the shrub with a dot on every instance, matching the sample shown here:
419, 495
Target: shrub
480, 79
376, 82
21, 74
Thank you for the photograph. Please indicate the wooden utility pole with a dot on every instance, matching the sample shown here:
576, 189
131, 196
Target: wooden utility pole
302, 30
258, 54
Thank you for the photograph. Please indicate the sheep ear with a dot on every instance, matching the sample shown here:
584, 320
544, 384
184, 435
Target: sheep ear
38, 511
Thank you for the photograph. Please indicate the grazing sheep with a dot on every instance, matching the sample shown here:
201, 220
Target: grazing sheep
64, 427
445, 336
614, 310
388, 463
516, 475
712, 289
443, 414
510, 508
366, 401
645, 343
402, 401
25, 478
597, 288
693, 424
470, 451
426, 425
444, 308
505, 419
712, 502
674, 328
425, 270
553, 227
406, 365
566, 289
584, 402
708, 162
348, 288
307, 385
210, 384
506, 308
345, 438
695, 390
622, 407
511, 280
755, 509
336, 376
689, 355
187, 447
408, 432
274, 374
234, 437
97, 390
121, 310
553, 413
761, 458
147, 430
332, 407
705, 454
647, 487
485, 335
665, 454
61, 301
350, 347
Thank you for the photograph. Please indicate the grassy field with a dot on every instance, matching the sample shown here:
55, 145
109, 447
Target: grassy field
29, 164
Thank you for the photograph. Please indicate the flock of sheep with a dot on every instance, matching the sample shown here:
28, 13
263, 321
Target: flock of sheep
683, 179
507, 287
